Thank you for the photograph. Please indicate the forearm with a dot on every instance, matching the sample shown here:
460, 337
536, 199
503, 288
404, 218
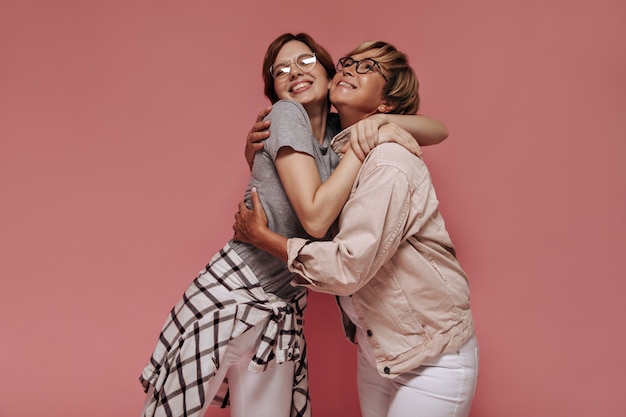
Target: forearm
325, 266
316, 204
271, 242
331, 196
426, 130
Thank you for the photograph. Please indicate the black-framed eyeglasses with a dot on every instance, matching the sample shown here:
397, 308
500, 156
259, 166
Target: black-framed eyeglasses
362, 67
305, 62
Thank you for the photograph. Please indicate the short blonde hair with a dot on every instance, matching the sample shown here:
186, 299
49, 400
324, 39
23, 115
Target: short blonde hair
401, 89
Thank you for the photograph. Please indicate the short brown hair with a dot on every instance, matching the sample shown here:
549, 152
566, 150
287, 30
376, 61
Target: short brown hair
401, 89
323, 58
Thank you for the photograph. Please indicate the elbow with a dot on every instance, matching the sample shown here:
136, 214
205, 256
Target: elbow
315, 229
440, 136
347, 280
345, 291
443, 134
317, 234
340, 289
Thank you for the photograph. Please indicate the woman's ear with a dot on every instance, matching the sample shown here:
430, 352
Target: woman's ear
385, 107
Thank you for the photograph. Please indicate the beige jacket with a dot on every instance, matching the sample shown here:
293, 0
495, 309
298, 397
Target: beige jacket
393, 255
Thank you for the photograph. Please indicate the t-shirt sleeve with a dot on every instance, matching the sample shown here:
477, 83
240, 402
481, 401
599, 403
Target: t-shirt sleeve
290, 126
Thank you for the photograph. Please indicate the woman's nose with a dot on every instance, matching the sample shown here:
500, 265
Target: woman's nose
348, 70
294, 70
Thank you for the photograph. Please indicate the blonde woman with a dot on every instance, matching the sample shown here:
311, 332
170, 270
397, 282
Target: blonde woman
403, 295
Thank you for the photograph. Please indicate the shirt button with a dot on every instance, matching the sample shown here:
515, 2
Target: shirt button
369, 333
387, 370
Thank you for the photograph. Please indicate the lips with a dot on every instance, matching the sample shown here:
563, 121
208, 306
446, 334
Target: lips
299, 86
345, 84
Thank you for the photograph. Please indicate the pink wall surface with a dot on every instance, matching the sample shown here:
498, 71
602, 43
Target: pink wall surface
122, 127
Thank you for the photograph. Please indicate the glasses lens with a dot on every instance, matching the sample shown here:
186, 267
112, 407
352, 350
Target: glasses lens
280, 70
365, 66
344, 63
306, 62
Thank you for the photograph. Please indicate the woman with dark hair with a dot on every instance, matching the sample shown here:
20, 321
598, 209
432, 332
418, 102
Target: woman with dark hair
240, 320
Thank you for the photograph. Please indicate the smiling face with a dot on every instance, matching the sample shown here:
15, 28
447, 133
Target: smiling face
306, 87
385, 83
360, 93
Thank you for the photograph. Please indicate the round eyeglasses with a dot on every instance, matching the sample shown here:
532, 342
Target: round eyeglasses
362, 67
305, 62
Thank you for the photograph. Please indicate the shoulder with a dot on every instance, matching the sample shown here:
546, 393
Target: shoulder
287, 115
290, 127
390, 155
287, 107
393, 154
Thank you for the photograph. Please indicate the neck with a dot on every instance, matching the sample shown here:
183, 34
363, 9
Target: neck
318, 116
349, 116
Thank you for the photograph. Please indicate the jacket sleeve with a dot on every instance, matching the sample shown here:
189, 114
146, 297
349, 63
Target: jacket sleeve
371, 228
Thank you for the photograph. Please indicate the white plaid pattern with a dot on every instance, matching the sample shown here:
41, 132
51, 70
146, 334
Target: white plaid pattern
224, 301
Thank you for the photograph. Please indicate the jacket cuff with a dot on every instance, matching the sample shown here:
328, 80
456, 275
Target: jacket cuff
339, 141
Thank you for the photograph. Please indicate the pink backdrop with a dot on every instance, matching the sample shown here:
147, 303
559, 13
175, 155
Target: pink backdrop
122, 126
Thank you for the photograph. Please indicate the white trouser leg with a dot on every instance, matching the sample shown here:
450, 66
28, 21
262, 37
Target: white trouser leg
441, 387
374, 390
264, 394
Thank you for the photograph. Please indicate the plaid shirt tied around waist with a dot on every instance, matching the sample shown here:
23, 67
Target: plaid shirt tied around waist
223, 302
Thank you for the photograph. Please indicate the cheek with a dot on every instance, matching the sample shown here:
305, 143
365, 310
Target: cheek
333, 92
373, 90
279, 89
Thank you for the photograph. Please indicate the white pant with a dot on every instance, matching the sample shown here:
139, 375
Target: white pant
441, 387
264, 394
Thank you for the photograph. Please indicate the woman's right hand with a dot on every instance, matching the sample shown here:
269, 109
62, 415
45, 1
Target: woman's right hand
368, 133
364, 136
256, 135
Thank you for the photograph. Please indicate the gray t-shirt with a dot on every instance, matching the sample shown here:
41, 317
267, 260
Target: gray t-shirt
290, 126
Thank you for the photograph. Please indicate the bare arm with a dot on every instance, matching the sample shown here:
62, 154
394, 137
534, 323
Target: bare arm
364, 134
425, 130
316, 204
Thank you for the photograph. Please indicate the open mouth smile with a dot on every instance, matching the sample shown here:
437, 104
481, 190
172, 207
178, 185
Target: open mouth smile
301, 85
345, 84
